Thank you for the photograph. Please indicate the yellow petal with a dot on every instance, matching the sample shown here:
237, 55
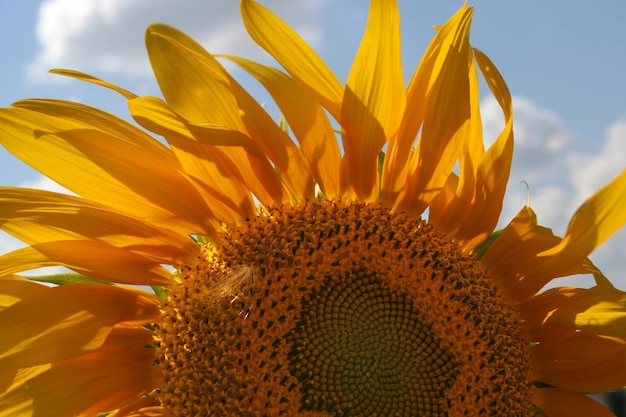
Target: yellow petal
441, 86
14, 377
156, 116
222, 102
155, 411
14, 290
599, 310
580, 361
276, 144
473, 215
555, 402
38, 216
373, 101
443, 209
105, 167
513, 261
157, 122
80, 116
68, 321
228, 187
307, 120
92, 258
212, 102
594, 222
91, 79
182, 66
143, 407
294, 54
116, 374
220, 182
197, 89
246, 171
221, 170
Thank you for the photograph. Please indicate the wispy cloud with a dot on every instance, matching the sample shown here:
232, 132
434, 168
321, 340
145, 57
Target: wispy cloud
560, 175
44, 183
107, 35
591, 171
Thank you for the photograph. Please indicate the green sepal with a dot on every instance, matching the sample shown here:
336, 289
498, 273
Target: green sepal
66, 278
381, 162
481, 249
283, 124
158, 291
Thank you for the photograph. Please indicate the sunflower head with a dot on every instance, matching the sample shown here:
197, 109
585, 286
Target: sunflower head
292, 267
344, 309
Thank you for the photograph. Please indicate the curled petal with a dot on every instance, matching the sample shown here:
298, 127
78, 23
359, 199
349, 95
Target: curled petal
513, 259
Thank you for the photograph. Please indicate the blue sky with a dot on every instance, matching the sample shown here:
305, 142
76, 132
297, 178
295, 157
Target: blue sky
563, 61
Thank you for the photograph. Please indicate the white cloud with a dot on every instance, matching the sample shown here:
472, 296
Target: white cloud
8, 243
540, 139
590, 172
560, 176
107, 35
45, 183
539, 164
553, 202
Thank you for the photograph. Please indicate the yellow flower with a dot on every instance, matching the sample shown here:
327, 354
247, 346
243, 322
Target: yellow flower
305, 282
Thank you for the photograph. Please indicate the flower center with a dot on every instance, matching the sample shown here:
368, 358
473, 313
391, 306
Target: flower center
340, 309
363, 344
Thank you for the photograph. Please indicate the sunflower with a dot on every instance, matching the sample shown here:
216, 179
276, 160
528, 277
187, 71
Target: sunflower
222, 268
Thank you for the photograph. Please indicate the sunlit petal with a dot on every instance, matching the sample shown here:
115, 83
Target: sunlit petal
294, 54
88, 257
441, 84
113, 170
307, 120
373, 101
38, 216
